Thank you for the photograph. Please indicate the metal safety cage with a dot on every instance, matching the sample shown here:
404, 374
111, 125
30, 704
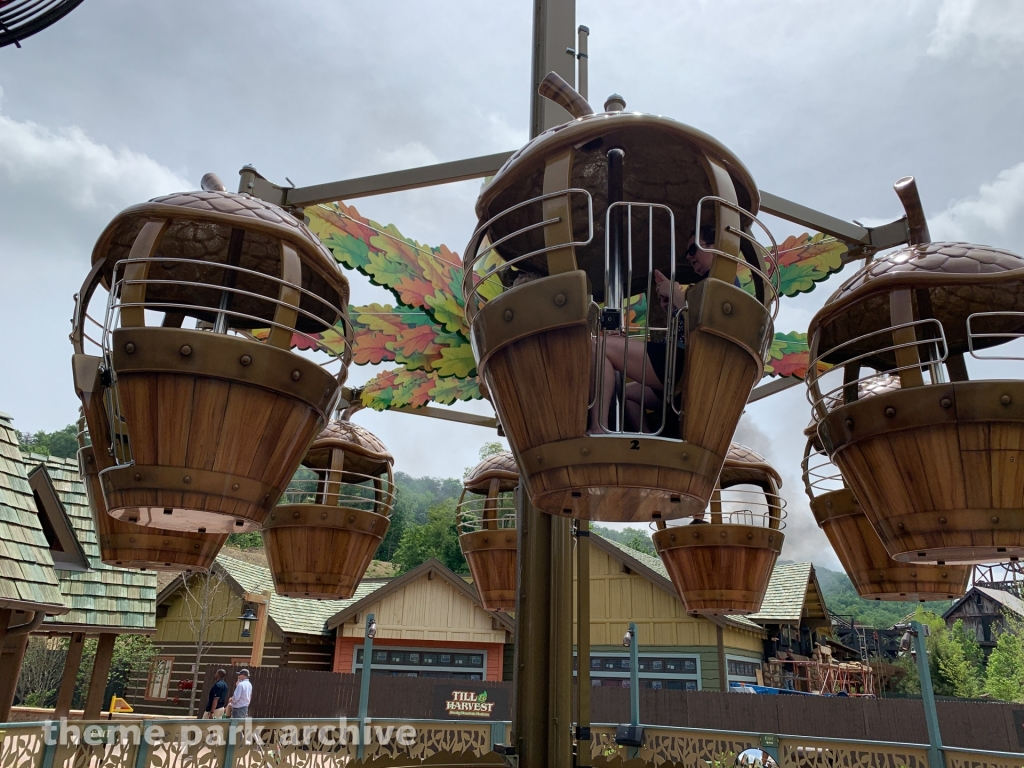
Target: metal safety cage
740, 506
341, 488
479, 513
494, 274
926, 355
981, 339
128, 307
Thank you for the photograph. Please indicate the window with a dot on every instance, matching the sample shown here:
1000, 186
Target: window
659, 671
159, 677
742, 669
422, 662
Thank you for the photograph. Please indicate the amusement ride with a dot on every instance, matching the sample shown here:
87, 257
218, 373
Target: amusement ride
616, 306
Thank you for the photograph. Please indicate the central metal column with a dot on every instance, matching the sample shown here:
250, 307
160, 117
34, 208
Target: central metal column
554, 31
530, 706
560, 667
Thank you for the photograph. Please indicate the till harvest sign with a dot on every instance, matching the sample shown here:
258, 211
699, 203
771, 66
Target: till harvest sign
470, 702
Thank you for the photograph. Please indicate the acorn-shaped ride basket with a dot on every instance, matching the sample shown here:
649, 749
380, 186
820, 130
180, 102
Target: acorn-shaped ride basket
208, 410
487, 529
874, 574
128, 545
322, 536
721, 562
561, 271
937, 464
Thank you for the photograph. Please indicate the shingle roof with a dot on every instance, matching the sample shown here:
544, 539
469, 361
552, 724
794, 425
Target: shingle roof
104, 596
1005, 599
787, 592
292, 615
26, 567
655, 564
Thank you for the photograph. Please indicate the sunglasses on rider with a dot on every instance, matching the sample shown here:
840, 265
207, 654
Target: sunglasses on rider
692, 250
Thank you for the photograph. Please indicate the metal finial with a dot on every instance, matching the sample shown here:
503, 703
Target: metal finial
614, 103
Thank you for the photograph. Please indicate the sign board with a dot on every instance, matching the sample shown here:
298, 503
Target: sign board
470, 701
117, 704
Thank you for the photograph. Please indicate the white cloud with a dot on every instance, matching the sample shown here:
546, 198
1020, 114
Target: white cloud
991, 29
61, 184
58, 190
994, 216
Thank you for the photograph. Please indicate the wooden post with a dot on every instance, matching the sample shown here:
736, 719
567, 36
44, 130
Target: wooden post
5, 621
100, 673
723, 670
70, 676
259, 637
10, 668
583, 641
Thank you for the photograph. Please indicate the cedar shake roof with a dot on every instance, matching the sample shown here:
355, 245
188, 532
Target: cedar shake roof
104, 596
785, 602
27, 578
293, 616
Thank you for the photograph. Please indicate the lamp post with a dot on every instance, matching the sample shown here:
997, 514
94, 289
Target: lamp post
913, 641
632, 737
247, 618
364, 682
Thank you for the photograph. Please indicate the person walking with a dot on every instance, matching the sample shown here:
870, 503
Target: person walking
238, 706
218, 698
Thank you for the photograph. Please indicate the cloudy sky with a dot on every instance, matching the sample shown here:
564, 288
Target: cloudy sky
827, 103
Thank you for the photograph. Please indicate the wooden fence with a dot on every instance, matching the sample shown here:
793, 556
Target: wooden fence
291, 693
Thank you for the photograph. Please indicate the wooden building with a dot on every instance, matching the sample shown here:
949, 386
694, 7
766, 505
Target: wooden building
294, 631
677, 650
29, 588
430, 623
983, 611
793, 612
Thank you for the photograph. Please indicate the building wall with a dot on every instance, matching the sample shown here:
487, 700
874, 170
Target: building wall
345, 649
616, 598
981, 615
174, 627
174, 639
427, 609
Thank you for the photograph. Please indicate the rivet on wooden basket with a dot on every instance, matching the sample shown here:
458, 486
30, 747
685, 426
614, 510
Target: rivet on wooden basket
129, 347
245, 359
186, 350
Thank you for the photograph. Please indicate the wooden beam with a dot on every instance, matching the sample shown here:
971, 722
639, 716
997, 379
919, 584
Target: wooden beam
94, 701
10, 669
259, 638
723, 669
447, 414
67, 681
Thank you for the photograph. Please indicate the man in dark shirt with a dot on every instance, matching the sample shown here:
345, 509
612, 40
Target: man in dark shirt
218, 698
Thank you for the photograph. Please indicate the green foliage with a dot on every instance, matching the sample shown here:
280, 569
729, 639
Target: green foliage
62, 443
842, 599
634, 538
1004, 678
399, 524
250, 540
416, 495
437, 537
640, 541
954, 660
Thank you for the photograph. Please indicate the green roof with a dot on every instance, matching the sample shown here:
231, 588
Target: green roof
786, 595
104, 596
26, 567
655, 564
294, 616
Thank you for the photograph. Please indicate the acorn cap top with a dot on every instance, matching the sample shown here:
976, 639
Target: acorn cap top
501, 466
744, 465
958, 279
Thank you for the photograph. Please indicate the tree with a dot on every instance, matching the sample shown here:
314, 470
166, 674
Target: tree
954, 659
438, 537
63, 442
1004, 678
204, 611
399, 522
41, 671
636, 539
